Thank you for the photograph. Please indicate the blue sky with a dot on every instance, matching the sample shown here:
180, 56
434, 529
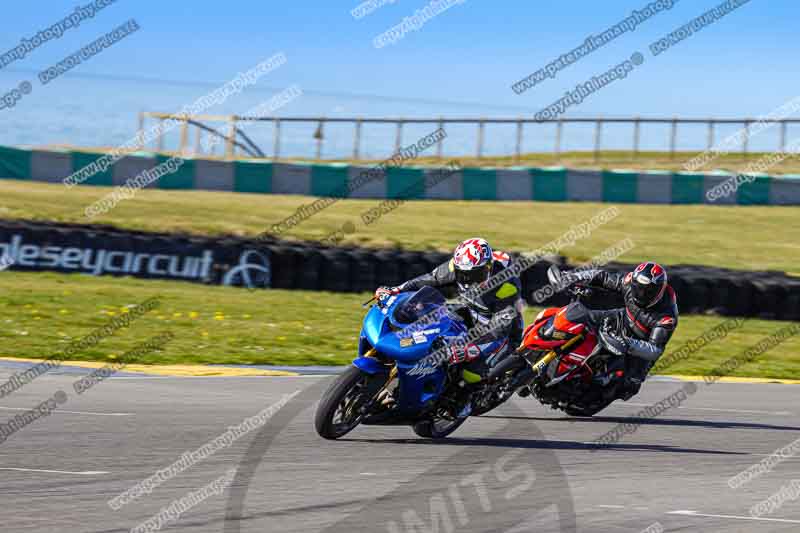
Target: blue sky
744, 64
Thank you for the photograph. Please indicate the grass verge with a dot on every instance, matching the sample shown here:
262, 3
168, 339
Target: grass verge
751, 238
41, 313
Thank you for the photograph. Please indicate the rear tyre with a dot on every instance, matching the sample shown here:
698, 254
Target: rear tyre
341, 408
587, 411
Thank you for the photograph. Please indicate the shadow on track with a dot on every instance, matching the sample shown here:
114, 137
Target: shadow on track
543, 445
653, 422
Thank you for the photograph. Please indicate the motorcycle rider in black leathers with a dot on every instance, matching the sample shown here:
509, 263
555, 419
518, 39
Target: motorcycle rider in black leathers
497, 306
640, 330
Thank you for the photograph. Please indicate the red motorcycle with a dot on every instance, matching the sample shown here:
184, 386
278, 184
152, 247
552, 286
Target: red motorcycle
562, 361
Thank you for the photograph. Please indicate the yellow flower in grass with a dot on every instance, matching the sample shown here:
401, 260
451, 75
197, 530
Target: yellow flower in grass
193, 314
124, 310
219, 317
177, 315
204, 334
63, 311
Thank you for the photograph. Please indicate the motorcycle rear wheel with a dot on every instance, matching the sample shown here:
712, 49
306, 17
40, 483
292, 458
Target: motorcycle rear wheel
587, 411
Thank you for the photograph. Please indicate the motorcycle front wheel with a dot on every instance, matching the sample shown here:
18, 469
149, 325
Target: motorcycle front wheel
437, 427
342, 407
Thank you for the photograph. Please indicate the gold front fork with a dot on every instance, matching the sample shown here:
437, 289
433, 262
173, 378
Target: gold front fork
540, 365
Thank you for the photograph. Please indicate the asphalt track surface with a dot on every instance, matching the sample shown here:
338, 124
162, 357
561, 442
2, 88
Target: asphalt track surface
521, 468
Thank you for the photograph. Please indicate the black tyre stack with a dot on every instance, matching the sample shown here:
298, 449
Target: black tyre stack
312, 267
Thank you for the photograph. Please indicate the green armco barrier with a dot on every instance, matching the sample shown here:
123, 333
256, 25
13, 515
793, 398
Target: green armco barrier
687, 188
329, 180
82, 159
15, 163
549, 185
754, 193
405, 183
479, 184
181, 179
620, 186
252, 177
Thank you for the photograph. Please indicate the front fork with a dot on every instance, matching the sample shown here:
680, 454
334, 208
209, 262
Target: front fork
540, 365
368, 364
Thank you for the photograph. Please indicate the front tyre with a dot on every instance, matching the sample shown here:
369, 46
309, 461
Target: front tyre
437, 427
342, 407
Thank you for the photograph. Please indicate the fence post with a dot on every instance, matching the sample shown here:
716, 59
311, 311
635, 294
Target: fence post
398, 139
479, 149
184, 136
277, 146
140, 144
559, 131
673, 138
518, 152
198, 144
598, 136
319, 135
746, 142
636, 136
710, 134
229, 146
357, 140
783, 135
160, 134
439, 144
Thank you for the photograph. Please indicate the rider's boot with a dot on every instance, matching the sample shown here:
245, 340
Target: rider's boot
636, 370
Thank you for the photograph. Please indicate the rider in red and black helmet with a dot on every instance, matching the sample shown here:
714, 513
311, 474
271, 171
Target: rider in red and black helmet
648, 284
645, 325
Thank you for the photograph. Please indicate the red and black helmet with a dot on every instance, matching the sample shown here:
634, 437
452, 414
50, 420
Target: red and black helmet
648, 284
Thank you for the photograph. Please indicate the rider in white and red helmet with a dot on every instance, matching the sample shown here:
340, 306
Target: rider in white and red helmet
473, 264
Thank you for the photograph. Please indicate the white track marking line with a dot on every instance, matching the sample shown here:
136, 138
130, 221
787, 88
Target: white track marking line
69, 412
745, 411
612, 506
84, 473
733, 517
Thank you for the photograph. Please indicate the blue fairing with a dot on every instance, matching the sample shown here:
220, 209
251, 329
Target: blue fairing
386, 329
369, 365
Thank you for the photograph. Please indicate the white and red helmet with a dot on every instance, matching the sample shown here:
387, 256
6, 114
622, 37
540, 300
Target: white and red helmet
472, 263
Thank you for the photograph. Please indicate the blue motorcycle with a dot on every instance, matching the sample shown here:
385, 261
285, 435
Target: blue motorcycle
401, 375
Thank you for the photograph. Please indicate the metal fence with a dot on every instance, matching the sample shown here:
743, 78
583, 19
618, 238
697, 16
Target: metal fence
237, 142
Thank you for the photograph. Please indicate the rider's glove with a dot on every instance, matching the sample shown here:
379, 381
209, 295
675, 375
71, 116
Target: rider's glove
384, 292
458, 352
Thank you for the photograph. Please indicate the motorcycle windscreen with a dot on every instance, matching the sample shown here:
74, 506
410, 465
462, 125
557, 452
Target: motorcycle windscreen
422, 303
